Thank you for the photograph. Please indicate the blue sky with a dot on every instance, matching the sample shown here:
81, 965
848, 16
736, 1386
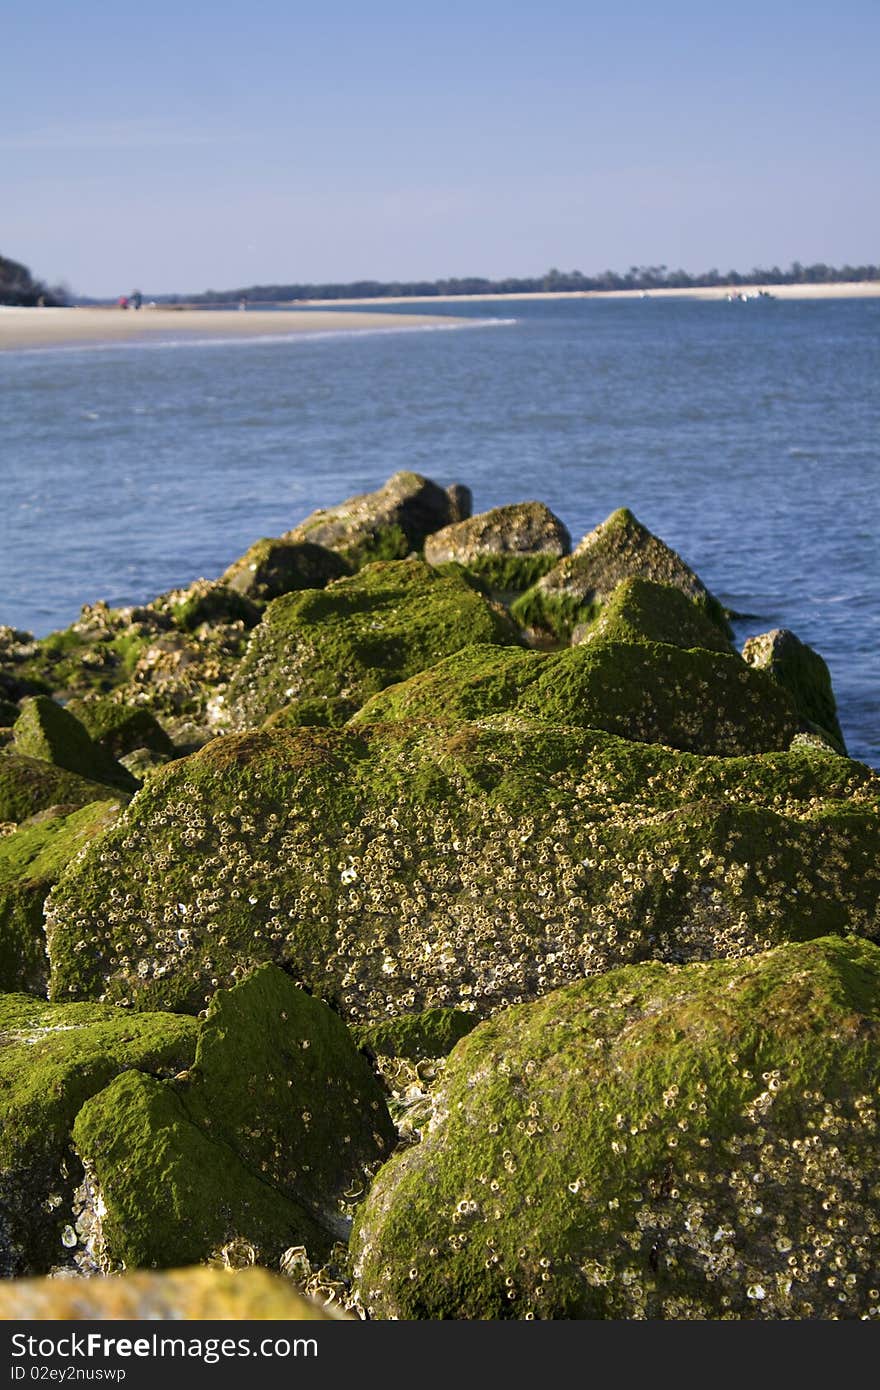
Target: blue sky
186, 146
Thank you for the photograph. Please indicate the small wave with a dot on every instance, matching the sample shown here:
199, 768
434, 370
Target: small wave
796, 453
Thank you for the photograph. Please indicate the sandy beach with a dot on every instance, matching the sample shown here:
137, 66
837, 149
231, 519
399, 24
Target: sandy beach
866, 289
42, 328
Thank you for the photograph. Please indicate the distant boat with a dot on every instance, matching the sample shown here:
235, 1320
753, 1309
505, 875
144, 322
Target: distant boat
739, 297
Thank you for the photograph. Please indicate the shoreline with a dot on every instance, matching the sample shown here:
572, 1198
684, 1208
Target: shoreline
23, 329
863, 289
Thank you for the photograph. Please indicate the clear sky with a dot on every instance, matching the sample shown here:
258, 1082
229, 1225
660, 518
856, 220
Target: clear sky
187, 145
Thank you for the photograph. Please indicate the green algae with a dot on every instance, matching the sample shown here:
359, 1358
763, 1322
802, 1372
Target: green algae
400, 868
29, 785
210, 604
31, 860
652, 692
358, 635
510, 574
325, 712
52, 1059
415, 1037
264, 1141
661, 1142
45, 730
121, 728
639, 610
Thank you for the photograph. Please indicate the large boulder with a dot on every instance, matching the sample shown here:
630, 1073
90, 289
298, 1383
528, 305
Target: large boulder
697, 700
31, 860
800, 671
620, 548
47, 731
167, 1296
264, 1142
405, 867
685, 1143
509, 548
352, 639
52, 1059
270, 568
387, 524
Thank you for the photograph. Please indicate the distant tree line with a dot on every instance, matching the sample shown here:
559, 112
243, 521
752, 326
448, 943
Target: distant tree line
18, 286
638, 277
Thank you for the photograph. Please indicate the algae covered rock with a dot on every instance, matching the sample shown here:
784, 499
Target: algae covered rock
433, 1033
45, 730
398, 868
662, 1142
172, 1295
521, 529
30, 785
641, 611
359, 635
31, 860
802, 672
620, 548
121, 728
265, 1141
168, 656
387, 524
270, 568
698, 700
52, 1059
207, 603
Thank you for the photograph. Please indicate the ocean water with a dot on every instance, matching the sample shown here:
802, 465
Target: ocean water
746, 435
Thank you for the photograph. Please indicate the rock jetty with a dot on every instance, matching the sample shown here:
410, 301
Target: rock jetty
446, 920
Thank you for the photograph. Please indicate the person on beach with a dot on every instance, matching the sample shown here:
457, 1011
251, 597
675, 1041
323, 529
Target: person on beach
137, 299
122, 301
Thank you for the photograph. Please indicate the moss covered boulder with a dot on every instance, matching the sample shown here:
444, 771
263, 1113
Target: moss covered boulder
387, 524
270, 568
620, 548
802, 672
640, 610
170, 1296
679, 1143
357, 636
698, 700
509, 548
31, 860
52, 1059
400, 868
30, 785
47, 731
121, 728
265, 1142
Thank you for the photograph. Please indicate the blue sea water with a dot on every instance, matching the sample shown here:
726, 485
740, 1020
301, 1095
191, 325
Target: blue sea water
746, 435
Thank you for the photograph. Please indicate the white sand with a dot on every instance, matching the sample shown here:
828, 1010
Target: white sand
39, 328
865, 289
